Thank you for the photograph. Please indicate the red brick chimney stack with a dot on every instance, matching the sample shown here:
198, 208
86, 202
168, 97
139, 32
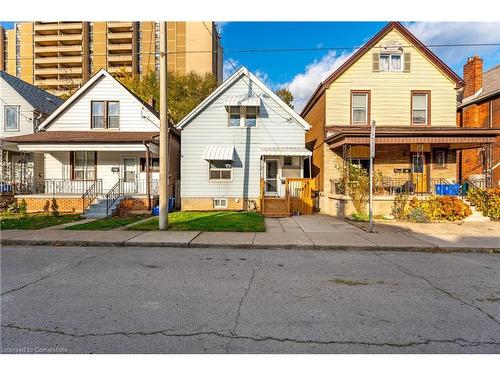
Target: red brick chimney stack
473, 75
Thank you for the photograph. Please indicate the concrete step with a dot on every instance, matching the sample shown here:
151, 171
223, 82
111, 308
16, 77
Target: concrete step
476, 216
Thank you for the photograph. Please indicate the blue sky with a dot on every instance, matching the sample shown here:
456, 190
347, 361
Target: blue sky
301, 71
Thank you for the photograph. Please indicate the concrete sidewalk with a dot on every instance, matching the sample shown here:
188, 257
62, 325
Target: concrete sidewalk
317, 232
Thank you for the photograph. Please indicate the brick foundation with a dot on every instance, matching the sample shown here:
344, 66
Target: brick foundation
43, 203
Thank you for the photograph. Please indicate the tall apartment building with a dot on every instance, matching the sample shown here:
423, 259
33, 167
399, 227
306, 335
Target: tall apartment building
61, 56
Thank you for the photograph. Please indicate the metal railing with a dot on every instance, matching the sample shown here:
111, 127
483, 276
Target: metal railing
394, 186
49, 186
91, 194
113, 194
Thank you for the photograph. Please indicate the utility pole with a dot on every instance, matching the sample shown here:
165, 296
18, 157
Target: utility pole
372, 156
164, 152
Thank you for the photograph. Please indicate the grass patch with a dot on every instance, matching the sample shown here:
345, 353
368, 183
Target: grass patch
209, 221
35, 221
348, 282
107, 223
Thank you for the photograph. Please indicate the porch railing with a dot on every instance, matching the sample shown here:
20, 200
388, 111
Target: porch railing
50, 186
113, 194
91, 194
394, 186
129, 187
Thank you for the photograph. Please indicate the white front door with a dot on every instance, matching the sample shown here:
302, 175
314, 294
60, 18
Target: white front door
271, 177
130, 181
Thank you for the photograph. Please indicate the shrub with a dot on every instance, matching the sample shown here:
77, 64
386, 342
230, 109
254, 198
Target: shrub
418, 215
126, 205
399, 206
359, 186
486, 200
440, 208
54, 208
23, 207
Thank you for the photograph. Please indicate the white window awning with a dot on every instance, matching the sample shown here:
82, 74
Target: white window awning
219, 153
242, 101
285, 151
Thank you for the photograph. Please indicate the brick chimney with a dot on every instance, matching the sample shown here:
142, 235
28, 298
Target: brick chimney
152, 102
473, 75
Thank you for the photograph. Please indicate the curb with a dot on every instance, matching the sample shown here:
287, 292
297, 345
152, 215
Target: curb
430, 249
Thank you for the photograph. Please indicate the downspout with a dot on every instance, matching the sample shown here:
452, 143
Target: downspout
148, 179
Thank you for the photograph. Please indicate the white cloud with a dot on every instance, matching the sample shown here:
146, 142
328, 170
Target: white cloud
303, 84
459, 33
228, 67
220, 26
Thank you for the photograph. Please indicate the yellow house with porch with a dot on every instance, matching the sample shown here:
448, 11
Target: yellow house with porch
396, 81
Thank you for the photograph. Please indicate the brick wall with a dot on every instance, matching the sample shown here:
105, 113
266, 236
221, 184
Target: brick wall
42, 204
473, 75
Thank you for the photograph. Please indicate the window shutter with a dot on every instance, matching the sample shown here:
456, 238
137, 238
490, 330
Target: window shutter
376, 62
407, 62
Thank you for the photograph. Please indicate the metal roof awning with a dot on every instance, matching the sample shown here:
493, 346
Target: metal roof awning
219, 153
242, 101
285, 151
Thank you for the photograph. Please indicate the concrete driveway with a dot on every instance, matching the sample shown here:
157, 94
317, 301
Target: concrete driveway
198, 300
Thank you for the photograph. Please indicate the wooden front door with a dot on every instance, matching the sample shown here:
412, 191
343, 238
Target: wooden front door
420, 172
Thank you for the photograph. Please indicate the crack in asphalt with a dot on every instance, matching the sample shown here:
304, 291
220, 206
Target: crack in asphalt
57, 271
442, 290
168, 333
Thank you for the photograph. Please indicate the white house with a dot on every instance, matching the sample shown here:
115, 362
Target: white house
23, 107
240, 135
96, 146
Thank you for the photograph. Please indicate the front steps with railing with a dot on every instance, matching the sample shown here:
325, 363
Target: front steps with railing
98, 208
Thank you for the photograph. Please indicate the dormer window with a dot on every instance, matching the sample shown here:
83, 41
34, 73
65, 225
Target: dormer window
390, 62
105, 114
234, 117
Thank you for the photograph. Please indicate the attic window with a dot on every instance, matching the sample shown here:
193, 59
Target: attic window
390, 62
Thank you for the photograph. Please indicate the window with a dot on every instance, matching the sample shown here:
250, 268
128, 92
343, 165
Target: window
97, 115
440, 158
390, 62
154, 164
113, 115
359, 108
220, 170
220, 203
11, 118
83, 165
105, 115
234, 117
251, 117
288, 161
363, 163
420, 108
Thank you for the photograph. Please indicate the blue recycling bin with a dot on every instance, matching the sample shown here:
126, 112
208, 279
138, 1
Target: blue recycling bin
454, 189
439, 188
171, 207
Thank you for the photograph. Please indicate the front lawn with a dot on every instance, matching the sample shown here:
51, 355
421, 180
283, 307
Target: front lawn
35, 221
107, 223
209, 221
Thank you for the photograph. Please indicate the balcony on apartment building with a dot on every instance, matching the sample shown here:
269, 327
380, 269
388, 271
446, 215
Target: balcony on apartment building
41, 39
113, 47
58, 82
119, 69
43, 50
57, 70
121, 37
58, 26
120, 58
59, 60
120, 26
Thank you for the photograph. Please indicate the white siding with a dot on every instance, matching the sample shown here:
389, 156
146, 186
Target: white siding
11, 97
77, 115
210, 127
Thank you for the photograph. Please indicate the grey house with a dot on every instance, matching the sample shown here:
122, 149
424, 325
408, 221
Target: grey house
23, 107
240, 144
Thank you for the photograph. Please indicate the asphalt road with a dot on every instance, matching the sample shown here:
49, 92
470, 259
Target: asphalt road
154, 300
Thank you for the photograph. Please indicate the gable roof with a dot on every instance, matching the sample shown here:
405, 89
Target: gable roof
87, 86
445, 69
39, 99
230, 82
